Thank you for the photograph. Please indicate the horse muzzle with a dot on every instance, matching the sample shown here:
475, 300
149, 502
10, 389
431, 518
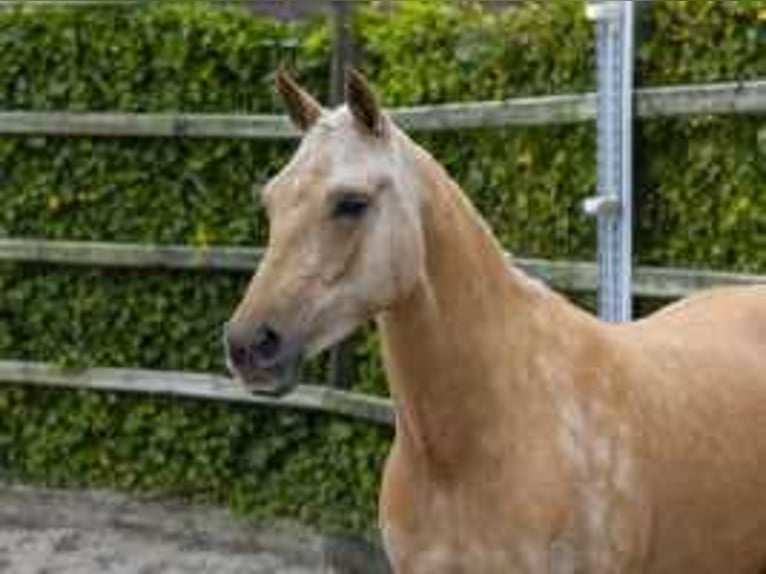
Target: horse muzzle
262, 358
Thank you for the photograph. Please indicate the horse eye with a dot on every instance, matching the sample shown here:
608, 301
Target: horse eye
350, 206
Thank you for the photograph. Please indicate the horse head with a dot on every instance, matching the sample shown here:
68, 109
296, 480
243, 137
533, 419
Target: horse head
345, 239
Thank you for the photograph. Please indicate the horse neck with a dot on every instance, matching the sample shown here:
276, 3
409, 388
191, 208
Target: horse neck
459, 348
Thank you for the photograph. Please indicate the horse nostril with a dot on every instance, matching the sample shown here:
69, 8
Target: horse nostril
266, 344
234, 347
237, 354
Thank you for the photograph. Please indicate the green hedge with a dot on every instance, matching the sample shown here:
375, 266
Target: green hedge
701, 202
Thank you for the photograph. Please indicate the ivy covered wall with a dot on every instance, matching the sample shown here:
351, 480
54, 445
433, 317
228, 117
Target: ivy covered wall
701, 202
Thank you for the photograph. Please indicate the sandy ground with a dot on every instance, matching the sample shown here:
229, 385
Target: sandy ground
55, 532
72, 551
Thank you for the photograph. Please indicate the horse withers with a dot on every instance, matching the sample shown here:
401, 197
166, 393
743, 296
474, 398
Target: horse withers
530, 437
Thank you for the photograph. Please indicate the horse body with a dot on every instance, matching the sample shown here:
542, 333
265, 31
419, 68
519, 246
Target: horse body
578, 446
530, 437
700, 368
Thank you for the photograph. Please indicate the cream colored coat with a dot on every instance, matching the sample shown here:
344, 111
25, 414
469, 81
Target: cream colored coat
530, 437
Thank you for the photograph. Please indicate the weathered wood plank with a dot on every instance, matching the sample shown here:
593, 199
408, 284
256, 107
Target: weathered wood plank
196, 386
536, 111
652, 282
725, 98
117, 124
310, 6
130, 255
72, 3
673, 283
564, 275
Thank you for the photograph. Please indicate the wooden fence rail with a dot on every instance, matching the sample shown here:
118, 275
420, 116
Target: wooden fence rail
195, 386
564, 275
724, 98
731, 98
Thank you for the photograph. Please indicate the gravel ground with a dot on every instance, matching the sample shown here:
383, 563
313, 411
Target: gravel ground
72, 551
55, 532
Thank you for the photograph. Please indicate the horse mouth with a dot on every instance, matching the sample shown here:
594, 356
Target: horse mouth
277, 381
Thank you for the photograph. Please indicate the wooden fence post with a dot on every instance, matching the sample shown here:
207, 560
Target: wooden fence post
341, 358
341, 14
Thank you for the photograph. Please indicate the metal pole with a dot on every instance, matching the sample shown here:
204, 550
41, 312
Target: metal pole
613, 204
626, 177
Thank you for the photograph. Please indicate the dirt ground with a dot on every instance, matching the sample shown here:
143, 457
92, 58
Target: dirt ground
62, 532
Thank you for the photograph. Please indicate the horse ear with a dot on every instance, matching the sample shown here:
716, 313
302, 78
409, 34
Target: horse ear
363, 104
301, 106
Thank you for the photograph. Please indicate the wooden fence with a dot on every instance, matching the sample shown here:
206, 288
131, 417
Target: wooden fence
572, 276
312, 398
725, 98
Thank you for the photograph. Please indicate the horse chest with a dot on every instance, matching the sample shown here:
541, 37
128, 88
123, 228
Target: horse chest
436, 541
443, 553
428, 531
520, 554
584, 513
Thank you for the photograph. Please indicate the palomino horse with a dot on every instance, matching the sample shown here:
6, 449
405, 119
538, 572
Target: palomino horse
530, 437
